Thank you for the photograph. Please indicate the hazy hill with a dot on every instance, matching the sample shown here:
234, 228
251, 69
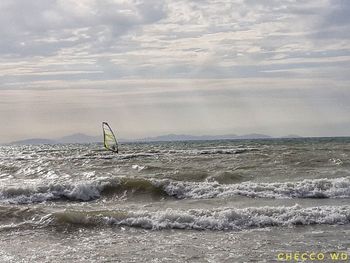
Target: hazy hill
79, 138
83, 138
74, 138
34, 141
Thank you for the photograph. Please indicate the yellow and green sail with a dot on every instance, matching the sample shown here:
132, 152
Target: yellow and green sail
109, 140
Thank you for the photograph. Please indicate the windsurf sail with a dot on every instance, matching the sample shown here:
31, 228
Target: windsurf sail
109, 140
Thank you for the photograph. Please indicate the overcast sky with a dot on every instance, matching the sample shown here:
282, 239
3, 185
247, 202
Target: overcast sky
174, 66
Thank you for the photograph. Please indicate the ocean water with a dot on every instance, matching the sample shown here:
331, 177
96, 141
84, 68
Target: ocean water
206, 201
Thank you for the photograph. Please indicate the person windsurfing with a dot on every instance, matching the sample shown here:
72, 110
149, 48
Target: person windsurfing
109, 140
114, 149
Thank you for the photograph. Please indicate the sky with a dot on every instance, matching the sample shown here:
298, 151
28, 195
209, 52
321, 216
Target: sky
149, 68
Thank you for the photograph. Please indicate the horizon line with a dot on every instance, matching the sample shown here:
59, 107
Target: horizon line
153, 138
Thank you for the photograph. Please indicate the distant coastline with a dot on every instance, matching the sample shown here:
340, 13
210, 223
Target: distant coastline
83, 138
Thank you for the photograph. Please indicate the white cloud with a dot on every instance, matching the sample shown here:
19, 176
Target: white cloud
238, 48
147, 39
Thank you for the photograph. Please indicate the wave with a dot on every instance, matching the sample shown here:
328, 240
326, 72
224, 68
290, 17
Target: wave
156, 153
34, 193
226, 151
76, 191
91, 190
200, 219
308, 188
206, 151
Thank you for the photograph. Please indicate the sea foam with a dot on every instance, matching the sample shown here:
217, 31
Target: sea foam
200, 219
308, 188
39, 191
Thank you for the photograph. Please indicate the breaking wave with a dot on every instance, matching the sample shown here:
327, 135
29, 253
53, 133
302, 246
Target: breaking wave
52, 191
308, 188
199, 219
91, 190
206, 151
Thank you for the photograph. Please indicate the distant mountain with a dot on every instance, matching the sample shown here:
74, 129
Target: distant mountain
34, 141
74, 138
79, 138
83, 138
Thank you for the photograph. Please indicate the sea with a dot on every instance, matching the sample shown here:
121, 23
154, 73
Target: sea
271, 200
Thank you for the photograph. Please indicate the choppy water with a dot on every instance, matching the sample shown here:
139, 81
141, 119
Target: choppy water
217, 201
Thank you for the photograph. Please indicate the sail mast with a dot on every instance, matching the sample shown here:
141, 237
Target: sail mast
109, 140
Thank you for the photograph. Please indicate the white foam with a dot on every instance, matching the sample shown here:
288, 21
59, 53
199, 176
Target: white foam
138, 167
308, 188
336, 161
219, 219
224, 151
38, 192
136, 155
216, 150
41, 191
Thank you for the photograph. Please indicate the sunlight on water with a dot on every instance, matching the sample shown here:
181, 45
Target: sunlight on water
237, 186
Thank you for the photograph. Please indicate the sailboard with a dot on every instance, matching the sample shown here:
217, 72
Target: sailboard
109, 140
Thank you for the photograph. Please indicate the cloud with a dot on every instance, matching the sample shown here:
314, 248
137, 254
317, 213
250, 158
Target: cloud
338, 14
169, 39
212, 57
46, 27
